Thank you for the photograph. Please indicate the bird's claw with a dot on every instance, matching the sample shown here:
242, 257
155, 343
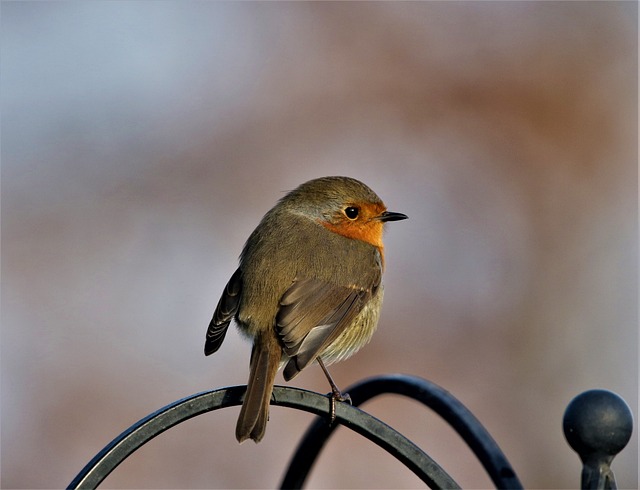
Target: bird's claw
335, 396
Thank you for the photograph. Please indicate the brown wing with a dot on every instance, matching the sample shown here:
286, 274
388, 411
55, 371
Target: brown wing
225, 311
312, 314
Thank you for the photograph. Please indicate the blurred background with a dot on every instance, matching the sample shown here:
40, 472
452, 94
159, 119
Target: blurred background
143, 141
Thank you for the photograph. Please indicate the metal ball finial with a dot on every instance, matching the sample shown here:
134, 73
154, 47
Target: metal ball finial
598, 425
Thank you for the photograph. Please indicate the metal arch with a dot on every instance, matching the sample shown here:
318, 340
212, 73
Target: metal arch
439, 400
154, 424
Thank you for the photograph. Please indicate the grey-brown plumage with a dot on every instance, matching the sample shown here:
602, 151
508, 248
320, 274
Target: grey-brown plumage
308, 285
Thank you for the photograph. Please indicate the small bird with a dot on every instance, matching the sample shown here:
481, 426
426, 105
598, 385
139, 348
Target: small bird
308, 288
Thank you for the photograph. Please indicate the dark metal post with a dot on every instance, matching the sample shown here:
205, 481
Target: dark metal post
598, 425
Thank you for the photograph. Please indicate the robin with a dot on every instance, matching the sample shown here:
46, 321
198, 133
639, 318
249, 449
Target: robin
308, 288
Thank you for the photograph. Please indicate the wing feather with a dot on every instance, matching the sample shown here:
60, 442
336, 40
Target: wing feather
225, 311
313, 313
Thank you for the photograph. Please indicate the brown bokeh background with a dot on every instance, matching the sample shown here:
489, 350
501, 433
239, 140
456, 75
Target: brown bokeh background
143, 141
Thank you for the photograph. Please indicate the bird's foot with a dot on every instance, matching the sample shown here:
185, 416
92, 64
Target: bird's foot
336, 396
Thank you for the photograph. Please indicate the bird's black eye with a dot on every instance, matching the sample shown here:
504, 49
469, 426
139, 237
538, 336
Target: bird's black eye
351, 212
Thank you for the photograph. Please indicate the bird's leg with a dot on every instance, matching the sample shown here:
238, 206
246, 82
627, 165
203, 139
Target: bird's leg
335, 393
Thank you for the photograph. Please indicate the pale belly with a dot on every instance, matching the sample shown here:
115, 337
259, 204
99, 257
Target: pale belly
358, 334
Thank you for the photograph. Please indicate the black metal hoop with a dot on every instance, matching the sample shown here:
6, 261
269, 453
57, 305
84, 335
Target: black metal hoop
598, 425
165, 418
439, 400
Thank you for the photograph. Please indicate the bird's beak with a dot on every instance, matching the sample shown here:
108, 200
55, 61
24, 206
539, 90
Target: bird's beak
391, 216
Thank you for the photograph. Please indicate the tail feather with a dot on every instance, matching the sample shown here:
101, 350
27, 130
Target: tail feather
254, 414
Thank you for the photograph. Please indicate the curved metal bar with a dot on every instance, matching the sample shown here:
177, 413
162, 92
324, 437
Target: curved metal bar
431, 395
149, 427
154, 424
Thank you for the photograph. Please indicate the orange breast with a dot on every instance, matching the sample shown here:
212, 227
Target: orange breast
366, 229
